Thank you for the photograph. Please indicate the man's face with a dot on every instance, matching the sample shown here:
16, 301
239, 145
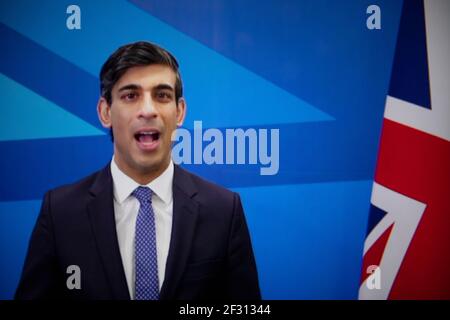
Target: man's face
143, 115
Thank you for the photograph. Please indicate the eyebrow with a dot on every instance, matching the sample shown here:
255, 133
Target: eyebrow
164, 86
132, 86
129, 87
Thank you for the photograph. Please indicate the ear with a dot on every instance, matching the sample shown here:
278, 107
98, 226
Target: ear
181, 111
104, 112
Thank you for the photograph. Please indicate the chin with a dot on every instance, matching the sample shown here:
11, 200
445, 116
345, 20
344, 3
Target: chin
148, 165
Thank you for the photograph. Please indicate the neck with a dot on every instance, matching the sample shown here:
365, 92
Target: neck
143, 176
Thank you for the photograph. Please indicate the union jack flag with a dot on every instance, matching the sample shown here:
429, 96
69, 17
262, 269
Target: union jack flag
407, 248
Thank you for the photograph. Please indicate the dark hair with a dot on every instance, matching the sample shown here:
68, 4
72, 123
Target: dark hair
133, 55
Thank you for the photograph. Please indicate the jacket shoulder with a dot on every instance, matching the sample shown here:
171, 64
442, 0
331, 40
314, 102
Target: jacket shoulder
74, 193
206, 192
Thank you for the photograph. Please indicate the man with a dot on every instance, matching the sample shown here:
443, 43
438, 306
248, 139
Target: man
142, 227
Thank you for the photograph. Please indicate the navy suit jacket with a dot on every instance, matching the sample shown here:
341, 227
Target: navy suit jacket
210, 254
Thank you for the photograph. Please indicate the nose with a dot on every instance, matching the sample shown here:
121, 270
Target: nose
147, 108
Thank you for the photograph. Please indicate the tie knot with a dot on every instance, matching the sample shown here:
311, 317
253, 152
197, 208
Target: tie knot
143, 194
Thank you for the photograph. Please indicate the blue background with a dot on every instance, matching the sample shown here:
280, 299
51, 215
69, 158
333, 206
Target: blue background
310, 68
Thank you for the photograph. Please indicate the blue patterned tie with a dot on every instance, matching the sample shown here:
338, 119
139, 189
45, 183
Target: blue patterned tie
146, 262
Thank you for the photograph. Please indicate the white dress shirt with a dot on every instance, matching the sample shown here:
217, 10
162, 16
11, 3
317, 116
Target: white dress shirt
126, 208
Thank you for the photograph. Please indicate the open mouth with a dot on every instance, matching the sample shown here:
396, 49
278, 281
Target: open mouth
147, 136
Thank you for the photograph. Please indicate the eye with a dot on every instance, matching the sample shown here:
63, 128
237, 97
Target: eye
164, 96
130, 96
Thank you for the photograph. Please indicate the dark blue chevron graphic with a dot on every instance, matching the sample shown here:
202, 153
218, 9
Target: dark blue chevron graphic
343, 145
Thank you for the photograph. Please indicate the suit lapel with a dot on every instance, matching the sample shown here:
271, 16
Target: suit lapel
101, 214
185, 212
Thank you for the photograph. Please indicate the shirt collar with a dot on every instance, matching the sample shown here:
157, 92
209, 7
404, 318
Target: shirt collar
124, 185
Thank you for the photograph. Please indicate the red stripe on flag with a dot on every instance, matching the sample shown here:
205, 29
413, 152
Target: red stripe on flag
417, 165
374, 254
